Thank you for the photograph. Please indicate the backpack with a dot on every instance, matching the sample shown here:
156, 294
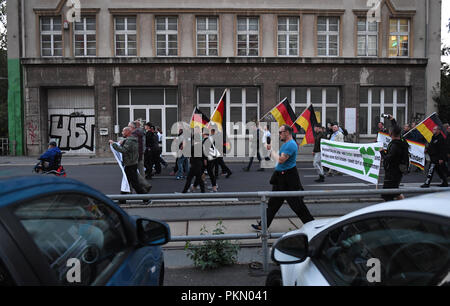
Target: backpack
404, 164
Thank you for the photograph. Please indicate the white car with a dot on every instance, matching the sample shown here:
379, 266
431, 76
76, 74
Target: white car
403, 242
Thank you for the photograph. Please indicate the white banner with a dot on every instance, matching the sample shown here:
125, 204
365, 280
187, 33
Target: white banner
358, 160
416, 150
125, 187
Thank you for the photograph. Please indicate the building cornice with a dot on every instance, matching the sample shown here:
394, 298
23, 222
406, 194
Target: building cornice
225, 60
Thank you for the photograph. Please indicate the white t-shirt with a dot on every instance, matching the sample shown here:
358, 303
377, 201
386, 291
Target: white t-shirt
266, 135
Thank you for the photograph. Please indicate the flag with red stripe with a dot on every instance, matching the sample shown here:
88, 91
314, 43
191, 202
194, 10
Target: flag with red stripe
283, 114
307, 120
219, 113
198, 119
426, 127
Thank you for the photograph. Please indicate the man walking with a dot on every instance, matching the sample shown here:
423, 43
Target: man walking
218, 143
336, 136
286, 178
130, 155
139, 133
196, 168
396, 152
151, 151
254, 147
437, 152
317, 163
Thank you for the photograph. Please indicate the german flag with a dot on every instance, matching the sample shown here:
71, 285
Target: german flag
307, 120
426, 127
219, 112
198, 119
284, 114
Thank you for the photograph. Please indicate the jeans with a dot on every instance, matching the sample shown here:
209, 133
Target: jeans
317, 163
183, 165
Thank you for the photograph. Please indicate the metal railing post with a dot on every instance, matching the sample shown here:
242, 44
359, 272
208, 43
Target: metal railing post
264, 236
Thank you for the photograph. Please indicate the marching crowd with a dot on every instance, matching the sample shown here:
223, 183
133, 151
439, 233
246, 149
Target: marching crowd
200, 152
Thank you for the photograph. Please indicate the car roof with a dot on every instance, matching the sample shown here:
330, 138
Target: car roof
433, 203
16, 189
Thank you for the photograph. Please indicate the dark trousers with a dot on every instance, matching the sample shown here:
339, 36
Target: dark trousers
220, 162
441, 169
196, 170
258, 156
287, 181
391, 181
210, 169
133, 180
152, 158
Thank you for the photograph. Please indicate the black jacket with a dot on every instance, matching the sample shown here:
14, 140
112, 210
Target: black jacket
151, 141
437, 149
317, 138
393, 156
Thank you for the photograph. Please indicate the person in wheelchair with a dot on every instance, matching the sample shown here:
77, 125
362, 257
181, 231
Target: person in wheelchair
50, 160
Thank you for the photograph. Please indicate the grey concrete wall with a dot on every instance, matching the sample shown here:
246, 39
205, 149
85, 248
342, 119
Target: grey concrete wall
188, 77
227, 10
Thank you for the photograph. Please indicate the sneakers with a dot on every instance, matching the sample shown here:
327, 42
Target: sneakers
229, 174
246, 169
260, 169
321, 179
425, 185
257, 227
179, 177
444, 184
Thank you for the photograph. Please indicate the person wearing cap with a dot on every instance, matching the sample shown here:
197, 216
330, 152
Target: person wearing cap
48, 160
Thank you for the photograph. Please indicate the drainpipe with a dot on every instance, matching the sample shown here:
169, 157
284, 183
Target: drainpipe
22, 24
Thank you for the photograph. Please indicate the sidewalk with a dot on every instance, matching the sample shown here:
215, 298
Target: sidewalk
80, 160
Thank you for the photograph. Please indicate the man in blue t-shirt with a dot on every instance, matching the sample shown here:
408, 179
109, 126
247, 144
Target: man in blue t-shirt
286, 178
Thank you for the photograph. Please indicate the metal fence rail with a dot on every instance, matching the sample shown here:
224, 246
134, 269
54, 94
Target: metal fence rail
263, 196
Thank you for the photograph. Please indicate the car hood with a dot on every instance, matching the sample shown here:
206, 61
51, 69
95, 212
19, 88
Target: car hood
312, 228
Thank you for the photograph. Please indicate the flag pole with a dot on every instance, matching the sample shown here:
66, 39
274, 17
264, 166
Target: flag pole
223, 119
285, 98
418, 124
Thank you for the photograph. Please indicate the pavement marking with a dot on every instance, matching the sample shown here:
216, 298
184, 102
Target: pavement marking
343, 185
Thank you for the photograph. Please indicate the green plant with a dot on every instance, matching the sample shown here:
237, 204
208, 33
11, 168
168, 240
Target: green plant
212, 254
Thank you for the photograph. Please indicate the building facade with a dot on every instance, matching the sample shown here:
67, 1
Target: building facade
81, 82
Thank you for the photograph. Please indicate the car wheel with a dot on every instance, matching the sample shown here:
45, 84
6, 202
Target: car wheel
274, 279
161, 275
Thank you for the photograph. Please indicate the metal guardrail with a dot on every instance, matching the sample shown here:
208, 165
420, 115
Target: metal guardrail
264, 195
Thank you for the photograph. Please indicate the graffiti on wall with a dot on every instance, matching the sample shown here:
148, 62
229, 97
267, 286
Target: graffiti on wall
74, 132
32, 132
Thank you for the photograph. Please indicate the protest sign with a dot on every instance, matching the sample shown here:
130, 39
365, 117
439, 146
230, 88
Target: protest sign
416, 150
358, 160
125, 187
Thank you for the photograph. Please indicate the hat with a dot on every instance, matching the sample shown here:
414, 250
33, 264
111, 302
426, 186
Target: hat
52, 143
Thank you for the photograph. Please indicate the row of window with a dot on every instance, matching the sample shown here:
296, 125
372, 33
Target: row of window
207, 36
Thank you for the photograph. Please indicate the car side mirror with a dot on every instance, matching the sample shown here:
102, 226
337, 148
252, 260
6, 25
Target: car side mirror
152, 232
290, 249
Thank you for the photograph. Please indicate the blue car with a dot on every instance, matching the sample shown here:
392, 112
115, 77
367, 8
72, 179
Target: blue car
58, 231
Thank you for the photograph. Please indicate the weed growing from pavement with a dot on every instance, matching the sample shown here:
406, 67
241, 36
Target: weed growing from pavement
212, 254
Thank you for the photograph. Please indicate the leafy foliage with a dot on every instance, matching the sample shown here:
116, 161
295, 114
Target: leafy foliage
3, 72
442, 96
212, 254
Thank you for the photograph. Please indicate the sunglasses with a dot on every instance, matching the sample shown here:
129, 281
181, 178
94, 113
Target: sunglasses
281, 132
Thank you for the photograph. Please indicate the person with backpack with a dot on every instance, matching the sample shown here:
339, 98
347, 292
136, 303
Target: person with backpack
438, 153
395, 162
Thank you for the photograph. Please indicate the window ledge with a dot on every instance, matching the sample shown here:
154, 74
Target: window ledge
225, 60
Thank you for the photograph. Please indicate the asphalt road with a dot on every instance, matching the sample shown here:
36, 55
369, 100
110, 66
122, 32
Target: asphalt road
107, 178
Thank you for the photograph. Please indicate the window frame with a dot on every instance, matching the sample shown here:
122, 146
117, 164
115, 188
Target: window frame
327, 33
395, 105
366, 33
85, 33
317, 242
398, 35
125, 32
52, 33
322, 107
166, 32
207, 34
288, 35
247, 33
